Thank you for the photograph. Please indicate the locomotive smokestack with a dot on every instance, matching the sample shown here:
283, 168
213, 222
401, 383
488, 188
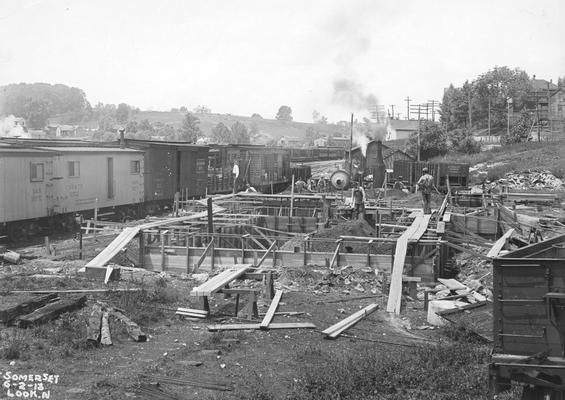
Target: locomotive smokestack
122, 138
379, 175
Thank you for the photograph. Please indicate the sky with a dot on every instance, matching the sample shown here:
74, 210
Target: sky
252, 56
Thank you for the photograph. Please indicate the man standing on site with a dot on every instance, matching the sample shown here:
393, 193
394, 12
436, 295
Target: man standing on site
358, 202
426, 185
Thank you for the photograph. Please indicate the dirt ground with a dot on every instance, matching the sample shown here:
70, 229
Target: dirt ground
176, 346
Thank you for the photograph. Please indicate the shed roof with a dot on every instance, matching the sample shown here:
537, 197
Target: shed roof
404, 124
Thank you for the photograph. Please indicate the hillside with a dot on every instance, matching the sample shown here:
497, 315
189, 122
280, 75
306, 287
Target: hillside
518, 157
272, 127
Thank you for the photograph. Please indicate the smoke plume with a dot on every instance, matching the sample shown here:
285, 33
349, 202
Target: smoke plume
361, 140
10, 128
352, 94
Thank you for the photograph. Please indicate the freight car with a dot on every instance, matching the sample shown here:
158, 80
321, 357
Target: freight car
267, 169
455, 173
529, 320
46, 186
306, 154
170, 167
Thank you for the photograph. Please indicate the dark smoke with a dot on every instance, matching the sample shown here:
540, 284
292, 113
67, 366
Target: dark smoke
352, 94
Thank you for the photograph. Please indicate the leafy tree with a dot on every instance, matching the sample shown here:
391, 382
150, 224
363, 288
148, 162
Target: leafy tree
122, 113
222, 133
311, 135
107, 123
132, 127
561, 82
239, 133
284, 113
253, 129
520, 130
201, 109
255, 115
36, 113
190, 129
183, 109
433, 141
315, 115
145, 125
462, 141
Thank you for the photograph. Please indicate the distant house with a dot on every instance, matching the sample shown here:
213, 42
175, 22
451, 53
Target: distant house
400, 128
548, 102
62, 130
321, 142
286, 141
339, 141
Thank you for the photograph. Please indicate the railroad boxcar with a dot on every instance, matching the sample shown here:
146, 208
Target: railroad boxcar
411, 171
529, 320
171, 167
267, 169
85, 178
24, 188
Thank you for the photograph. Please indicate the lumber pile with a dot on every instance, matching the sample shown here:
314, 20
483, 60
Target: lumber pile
10, 256
192, 314
98, 329
273, 325
8, 312
335, 330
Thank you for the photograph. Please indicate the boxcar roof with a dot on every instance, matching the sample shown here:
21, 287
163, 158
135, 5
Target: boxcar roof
91, 150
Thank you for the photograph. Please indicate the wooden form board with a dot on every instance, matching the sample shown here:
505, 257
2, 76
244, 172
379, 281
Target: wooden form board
500, 243
219, 281
177, 263
414, 232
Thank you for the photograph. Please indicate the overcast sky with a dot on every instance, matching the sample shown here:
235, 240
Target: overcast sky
251, 56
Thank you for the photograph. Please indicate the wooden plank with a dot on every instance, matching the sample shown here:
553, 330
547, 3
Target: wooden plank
8, 312
266, 254
273, 325
500, 243
51, 311
94, 325
204, 254
220, 280
335, 330
414, 232
77, 291
271, 311
105, 337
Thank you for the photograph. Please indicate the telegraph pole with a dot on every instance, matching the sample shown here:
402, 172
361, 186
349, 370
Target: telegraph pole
350, 148
392, 106
432, 102
419, 129
407, 100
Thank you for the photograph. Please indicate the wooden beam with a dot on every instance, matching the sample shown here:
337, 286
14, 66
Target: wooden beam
271, 311
51, 311
273, 325
203, 256
500, 243
335, 330
467, 250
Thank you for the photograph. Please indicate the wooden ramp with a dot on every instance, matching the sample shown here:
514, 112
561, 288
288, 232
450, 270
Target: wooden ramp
414, 232
129, 233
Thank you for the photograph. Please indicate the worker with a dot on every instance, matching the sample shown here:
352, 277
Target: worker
426, 185
398, 185
235, 174
299, 185
358, 202
250, 189
321, 185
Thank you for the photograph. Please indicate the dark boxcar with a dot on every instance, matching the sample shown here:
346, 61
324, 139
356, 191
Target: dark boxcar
529, 319
172, 167
267, 169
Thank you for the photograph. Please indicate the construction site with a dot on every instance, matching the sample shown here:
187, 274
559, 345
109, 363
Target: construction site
267, 296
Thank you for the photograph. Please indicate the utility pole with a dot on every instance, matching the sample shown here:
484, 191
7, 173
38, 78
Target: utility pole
407, 100
470, 112
509, 101
489, 114
392, 106
350, 148
419, 129
433, 109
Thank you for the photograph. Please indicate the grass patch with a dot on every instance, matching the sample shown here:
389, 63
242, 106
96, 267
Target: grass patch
449, 371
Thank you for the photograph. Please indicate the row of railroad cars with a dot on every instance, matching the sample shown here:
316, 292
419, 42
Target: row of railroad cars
308, 154
46, 183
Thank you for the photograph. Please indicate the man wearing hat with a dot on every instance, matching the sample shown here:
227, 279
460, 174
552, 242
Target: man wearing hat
398, 185
425, 185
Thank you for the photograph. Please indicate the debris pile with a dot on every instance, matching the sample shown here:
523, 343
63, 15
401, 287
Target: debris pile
532, 180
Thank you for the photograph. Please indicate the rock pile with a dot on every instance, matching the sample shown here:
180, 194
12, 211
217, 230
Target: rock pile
532, 180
